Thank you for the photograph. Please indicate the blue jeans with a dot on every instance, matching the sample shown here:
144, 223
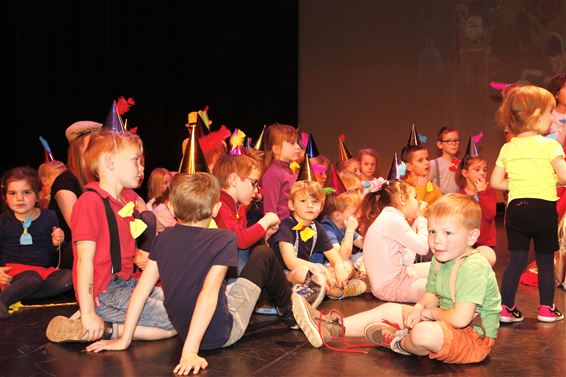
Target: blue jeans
114, 305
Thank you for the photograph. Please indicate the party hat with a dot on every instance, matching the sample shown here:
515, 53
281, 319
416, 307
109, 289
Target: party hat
47, 149
210, 142
204, 121
193, 159
237, 142
259, 142
303, 139
414, 137
305, 172
343, 151
248, 142
394, 170
335, 182
113, 120
312, 150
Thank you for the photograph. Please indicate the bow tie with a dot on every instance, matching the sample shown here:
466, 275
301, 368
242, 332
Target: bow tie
429, 187
306, 232
294, 166
137, 226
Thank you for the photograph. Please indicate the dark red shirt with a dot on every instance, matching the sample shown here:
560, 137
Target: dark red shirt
488, 202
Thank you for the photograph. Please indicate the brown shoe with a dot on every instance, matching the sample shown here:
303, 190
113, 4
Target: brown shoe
354, 287
62, 329
317, 328
385, 335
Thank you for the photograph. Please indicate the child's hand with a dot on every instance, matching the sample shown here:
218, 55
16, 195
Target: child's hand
481, 184
351, 223
271, 231
5, 278
57, 236
93, 326
189, 362
414, 316
140, 258
422, 208
108, 345
427, 314
272, 219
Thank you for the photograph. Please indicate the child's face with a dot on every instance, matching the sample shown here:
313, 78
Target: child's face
450, 143
349, 211
128, 166
21, 198
305, 208
419, 164
476, 170
246, 187
409, 205
320, 174
448, 238
368, 164
289, 151
355, 168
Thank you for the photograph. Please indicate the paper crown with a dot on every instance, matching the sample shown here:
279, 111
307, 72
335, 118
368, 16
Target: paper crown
312, 150
47, 150
343, 151
113, 120
394, 172
305, 172
200, 118
237, 142
259, 142
193, 159
335, 182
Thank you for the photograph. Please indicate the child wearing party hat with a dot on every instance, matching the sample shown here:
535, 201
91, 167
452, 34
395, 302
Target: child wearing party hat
48, 172
443, 169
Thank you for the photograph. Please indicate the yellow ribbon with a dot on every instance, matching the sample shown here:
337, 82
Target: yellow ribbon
212, 224
429, 187
137, 226
294, 166
306, 232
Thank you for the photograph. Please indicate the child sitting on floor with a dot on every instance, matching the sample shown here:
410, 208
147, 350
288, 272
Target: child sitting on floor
301, 237
205, 312
418, 166
457, 318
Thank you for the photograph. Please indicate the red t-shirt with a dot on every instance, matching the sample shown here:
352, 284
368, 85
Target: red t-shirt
89, 223
488, 203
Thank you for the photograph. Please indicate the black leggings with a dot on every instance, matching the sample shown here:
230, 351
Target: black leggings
29, 284
517, 263
263, 269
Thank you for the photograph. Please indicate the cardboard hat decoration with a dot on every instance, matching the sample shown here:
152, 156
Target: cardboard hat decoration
81, 127
305, 172
113, 120
414, 137
47, 150
335, 182
312, 150
210, 142
237, 142
248, 142
259, 142
193, 159
471, 151
343, 151
204, 120
394, 172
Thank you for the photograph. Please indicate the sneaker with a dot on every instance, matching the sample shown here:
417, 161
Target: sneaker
510, 315
286, 315
63, 329
266, 309
313, 289
317, 328
354, 287
385, 335
549, 314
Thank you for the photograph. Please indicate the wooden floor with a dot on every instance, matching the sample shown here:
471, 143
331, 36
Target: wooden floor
525, 349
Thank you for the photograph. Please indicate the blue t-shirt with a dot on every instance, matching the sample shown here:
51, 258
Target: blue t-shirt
305, 250
37, 254
184, 255
335, 234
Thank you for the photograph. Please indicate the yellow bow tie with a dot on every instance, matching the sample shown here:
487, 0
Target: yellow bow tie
212, 224
294, 166
137, 226
429, 187
306, 232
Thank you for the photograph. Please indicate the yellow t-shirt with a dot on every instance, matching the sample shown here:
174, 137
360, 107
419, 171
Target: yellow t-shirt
527, 162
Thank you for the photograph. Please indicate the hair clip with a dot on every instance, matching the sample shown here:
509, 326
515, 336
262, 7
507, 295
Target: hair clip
375, 184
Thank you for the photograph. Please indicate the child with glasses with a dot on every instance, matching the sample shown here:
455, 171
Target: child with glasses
443, 169
239, 176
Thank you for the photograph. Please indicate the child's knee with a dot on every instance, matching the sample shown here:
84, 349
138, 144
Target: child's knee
427, 335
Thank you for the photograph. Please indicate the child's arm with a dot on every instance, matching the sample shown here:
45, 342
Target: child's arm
458, 316
427, 301
57, 236
289, 258
91, 322
498, 180
488, 203
139, 297
559, 166
66, 199
204, 310
345, 249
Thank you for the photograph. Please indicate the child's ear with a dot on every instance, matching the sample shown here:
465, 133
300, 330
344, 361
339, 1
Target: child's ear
401, 199
473, 236
108, 161
276, 150
465, 173
232, 179
439, 144
216, 208
290, 204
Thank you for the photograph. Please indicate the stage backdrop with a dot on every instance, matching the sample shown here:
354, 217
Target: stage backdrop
371, 69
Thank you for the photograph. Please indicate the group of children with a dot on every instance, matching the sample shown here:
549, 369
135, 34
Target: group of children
425, 236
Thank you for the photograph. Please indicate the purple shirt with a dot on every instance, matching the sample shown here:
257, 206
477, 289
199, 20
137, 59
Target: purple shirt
276, 183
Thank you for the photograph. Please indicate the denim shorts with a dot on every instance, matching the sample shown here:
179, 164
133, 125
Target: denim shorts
114, 305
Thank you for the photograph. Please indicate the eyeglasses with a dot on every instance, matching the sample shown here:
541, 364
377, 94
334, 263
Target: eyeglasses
451, 141
254, 182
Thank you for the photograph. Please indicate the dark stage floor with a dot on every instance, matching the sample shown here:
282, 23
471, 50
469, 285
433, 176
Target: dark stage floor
529, 348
